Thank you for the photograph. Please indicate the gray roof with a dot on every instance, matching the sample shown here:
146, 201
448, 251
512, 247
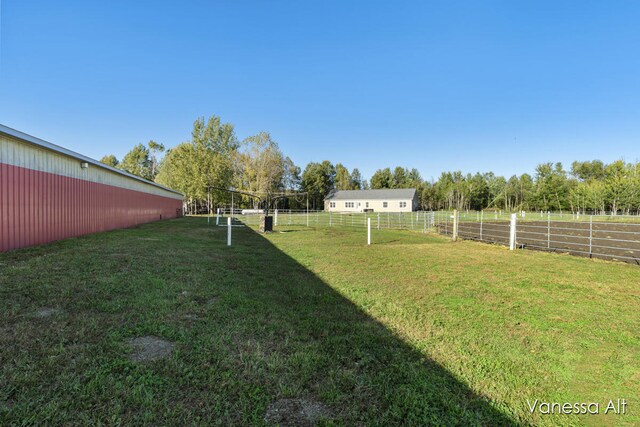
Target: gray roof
49, 146
384, 194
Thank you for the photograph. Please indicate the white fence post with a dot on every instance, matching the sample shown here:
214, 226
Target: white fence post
217, 216
228, 231
424, 220
275, 217
454, 234
330, 217
481, 218
512, 232
590, 235
378, 220
548, 229
368, 231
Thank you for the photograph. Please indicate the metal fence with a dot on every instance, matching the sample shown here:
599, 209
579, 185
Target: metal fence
610, 237
418, 221
594, 236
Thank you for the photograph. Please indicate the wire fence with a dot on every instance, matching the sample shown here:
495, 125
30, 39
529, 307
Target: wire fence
610, 237
418, 221
468, 215
594, 236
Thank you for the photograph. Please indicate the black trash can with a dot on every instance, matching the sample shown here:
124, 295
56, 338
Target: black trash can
266, 223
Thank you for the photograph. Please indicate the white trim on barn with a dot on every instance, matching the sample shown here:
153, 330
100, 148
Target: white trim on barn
385, 200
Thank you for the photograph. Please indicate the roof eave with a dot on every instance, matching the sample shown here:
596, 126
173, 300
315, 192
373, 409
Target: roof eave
61, 150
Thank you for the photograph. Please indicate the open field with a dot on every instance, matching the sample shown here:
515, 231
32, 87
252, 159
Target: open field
414, 329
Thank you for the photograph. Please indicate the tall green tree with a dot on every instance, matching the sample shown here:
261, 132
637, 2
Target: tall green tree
154, 151
318, 181
552, 189
292, 176
260, 166
343, 179
589, 170
478, 192
110, 160
382, 178
618, 186
137, 162
206, 160
357, 183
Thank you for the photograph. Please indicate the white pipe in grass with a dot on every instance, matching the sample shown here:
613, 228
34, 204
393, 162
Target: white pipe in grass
229, 231
368, 231
512, 233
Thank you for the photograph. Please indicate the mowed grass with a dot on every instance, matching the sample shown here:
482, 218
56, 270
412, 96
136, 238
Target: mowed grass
413, 330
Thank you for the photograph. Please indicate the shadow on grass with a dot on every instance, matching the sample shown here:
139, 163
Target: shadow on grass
252, 327
351, 362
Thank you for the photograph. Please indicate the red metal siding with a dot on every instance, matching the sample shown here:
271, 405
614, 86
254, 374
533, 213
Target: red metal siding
39, 207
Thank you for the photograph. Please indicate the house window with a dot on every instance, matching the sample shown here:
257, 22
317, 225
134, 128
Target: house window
384, 204
349, 204
403, 204
332, 204
366, 204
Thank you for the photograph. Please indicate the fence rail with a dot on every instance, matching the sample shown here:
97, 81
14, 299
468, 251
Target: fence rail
418, 221
595, 236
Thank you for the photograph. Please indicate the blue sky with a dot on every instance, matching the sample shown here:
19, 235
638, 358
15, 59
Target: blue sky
471, 86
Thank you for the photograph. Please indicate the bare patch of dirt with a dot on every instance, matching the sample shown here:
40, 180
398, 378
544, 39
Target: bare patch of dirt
296, 412
149, 348
44, 312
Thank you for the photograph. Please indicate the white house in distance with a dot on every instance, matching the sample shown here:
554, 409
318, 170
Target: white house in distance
386, 200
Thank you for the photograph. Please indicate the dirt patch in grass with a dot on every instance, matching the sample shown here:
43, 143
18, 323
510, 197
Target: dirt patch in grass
149, 348
296, 412
45, 312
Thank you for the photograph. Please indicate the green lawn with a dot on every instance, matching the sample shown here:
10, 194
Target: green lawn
412, 330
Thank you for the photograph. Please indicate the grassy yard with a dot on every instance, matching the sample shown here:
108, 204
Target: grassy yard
413, 330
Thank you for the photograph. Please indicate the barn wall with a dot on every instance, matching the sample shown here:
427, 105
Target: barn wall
47, 196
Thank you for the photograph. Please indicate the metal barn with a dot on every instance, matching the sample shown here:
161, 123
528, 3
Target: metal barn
50, 193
